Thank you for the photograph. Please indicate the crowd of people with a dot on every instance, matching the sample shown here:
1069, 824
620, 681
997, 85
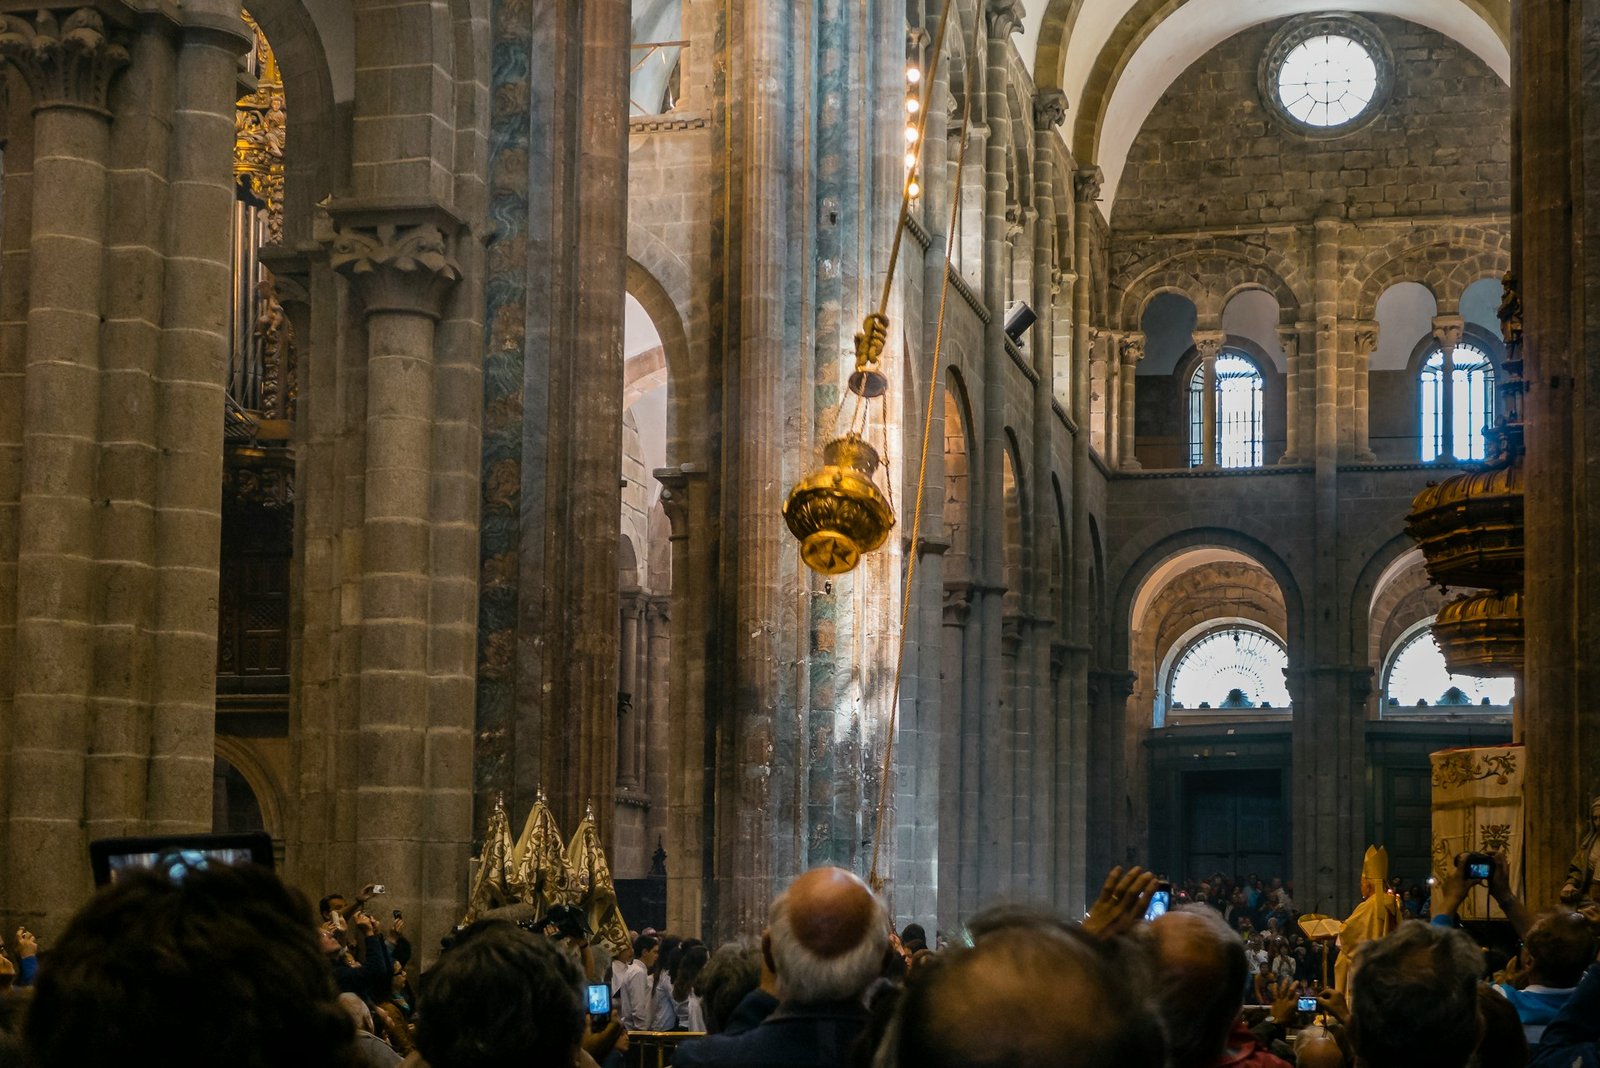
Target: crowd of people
227, 965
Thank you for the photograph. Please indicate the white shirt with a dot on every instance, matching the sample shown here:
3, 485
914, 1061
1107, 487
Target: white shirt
633, 998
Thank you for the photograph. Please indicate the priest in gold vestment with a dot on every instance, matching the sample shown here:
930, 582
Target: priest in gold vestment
1378, 914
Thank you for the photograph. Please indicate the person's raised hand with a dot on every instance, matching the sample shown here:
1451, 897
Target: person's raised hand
366, 924
398, 927
1453, 891
1333, 1003
1569, 894
1499, 876
1285, 995
1121, 904
27, 945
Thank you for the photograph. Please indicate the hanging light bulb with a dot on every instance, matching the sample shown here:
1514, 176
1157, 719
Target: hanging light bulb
913, 75
911, 135
913, 105
913, 189
911, 160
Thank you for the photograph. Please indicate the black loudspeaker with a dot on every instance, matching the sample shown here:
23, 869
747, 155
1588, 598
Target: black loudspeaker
1019, 317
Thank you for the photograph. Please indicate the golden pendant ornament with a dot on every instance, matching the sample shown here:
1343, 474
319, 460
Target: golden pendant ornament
837, 511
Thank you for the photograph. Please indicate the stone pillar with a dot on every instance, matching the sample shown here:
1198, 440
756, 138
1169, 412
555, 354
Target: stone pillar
1325, 266
1447, 330
68, 59
188, 434
401, 264
1113, 794
1366, 343
1051, 786
630, 701
1289, 340
757, 463
1096, 804
685, 497
1555, 222
1208, 343
1131, 350
999, 815
15, 198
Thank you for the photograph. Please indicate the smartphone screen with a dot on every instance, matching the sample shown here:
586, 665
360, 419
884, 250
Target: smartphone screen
1160, 901
599, 999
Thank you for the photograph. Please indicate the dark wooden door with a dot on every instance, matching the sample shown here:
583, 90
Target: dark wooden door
1234, 823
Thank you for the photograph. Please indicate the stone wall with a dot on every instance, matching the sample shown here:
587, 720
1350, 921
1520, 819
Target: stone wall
1212, 155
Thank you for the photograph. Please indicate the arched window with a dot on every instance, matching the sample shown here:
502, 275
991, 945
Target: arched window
1235, 666
1453, 420
1235, 406
1416, 678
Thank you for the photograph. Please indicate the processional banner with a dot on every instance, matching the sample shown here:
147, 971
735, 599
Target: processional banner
1477, 808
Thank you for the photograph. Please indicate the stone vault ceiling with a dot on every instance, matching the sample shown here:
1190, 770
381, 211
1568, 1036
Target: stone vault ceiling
1114, 58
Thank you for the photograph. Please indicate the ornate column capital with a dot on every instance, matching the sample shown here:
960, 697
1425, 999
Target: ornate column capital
1049, 108
1208, 343
1447, 330
675, 483
67, 57
1005, 17
1086, 183
1131, 348
1366, 337
398, 259
1289, 341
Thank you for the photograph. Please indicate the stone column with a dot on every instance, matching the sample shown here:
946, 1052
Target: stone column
1131, 350
1447, 330
401, 265
188, 433
1050, 787
1366, 345
757, 461
15, 198
1113, 798
998, 830
1289, 340
630, 702
1096, 805
1208, 343
68, 59
685, 497
1555, 223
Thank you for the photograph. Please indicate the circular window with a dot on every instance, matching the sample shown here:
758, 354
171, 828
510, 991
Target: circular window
1326, 75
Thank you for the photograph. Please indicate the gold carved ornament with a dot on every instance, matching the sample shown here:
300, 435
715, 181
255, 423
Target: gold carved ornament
1470, 530
260, 126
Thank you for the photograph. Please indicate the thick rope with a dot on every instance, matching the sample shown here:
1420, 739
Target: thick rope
874, 879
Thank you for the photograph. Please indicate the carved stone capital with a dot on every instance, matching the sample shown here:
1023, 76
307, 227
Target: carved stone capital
1131, 348
1208, 343
1049, 108
67, 57
1366, 337
1447, 330
1289, 341
1086, 184
1005, 17
401, 264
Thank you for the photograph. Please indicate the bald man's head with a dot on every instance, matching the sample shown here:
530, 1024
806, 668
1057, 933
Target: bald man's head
1202, 968
1318, 1052
826, 938
1035, 996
